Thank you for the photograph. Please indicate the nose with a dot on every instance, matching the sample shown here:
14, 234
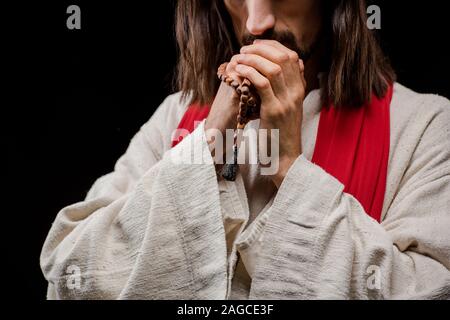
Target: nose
260, 16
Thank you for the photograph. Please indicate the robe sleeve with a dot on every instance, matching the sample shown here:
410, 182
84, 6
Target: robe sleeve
344, 253
94, 247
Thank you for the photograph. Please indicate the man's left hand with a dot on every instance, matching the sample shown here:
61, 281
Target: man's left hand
277, 73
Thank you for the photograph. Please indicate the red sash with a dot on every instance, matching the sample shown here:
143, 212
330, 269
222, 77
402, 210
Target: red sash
352, 145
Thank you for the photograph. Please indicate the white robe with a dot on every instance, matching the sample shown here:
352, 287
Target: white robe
158, 228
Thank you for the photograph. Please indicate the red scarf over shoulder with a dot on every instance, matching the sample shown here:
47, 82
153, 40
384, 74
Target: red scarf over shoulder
352, 145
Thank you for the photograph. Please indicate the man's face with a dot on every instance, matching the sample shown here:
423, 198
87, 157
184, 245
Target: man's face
294, 23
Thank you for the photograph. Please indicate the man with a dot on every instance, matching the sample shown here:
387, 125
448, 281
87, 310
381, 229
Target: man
358, 206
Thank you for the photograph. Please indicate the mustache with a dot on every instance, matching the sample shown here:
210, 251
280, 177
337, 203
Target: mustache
286, 38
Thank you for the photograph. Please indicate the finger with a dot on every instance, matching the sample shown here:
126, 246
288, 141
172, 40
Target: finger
302, 72
293, 55
301, 66
261, 83
267, 68
288, 62
269, 52
231, 72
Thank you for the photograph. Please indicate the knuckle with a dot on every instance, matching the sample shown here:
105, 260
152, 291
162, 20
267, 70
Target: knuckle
299, 97
244, 70
230, 67
284, 57
301, 61
301, 70
293, 56
236, 57
265, 84
276, 112
301, 65
275, 72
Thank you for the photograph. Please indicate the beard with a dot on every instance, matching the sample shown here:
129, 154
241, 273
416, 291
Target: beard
285, 37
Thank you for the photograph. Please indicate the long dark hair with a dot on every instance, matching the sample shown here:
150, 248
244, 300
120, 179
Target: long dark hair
355, 65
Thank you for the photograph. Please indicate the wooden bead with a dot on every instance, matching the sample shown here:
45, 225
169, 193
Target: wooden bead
246, 83
245, 90
235, 84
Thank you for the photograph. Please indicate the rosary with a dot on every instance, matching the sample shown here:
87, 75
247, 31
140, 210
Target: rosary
249, 108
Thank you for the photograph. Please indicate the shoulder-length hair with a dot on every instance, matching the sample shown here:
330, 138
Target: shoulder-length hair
355, 66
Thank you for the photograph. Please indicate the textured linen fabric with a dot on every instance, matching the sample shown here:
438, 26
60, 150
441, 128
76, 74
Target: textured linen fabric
160, 227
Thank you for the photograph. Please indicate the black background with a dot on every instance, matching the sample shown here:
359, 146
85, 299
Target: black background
80, 95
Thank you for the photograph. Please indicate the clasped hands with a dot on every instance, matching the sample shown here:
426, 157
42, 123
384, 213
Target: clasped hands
277, 73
